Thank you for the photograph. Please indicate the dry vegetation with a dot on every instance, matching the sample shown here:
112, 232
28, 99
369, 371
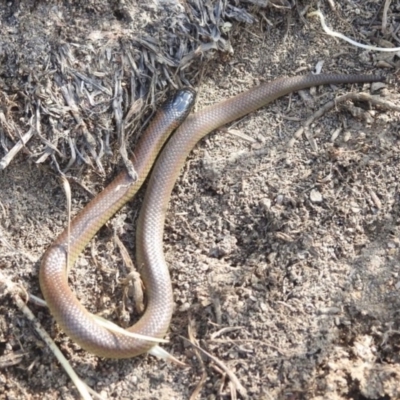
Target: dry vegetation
283, 246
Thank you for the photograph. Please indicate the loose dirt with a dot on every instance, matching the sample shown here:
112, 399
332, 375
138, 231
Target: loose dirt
284, 260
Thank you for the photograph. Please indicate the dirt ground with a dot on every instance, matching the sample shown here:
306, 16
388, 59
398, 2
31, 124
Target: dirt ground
284, 259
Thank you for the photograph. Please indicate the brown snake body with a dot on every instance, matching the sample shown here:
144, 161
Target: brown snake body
69, 313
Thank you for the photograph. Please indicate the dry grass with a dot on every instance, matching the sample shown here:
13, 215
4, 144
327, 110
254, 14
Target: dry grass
284, 255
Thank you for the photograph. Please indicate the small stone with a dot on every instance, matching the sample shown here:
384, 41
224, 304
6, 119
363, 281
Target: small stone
265, 204
184, 307
376, 86
315, 196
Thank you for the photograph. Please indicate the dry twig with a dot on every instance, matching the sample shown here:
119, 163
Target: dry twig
15, 292
365, 97
384, 15
238, 386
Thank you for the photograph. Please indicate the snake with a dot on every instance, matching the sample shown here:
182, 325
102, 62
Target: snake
164, 155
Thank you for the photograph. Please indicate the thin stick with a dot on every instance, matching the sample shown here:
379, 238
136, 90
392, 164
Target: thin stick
366, 97
384, 15
14, 290
15, 150
67, 190
232, 376
339, 35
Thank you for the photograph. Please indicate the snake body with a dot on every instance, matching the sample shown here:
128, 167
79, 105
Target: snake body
64, 306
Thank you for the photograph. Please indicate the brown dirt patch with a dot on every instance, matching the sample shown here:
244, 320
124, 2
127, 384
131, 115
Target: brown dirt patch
308, 289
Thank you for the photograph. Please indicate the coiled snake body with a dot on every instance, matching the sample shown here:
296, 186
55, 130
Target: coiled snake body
64, 306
